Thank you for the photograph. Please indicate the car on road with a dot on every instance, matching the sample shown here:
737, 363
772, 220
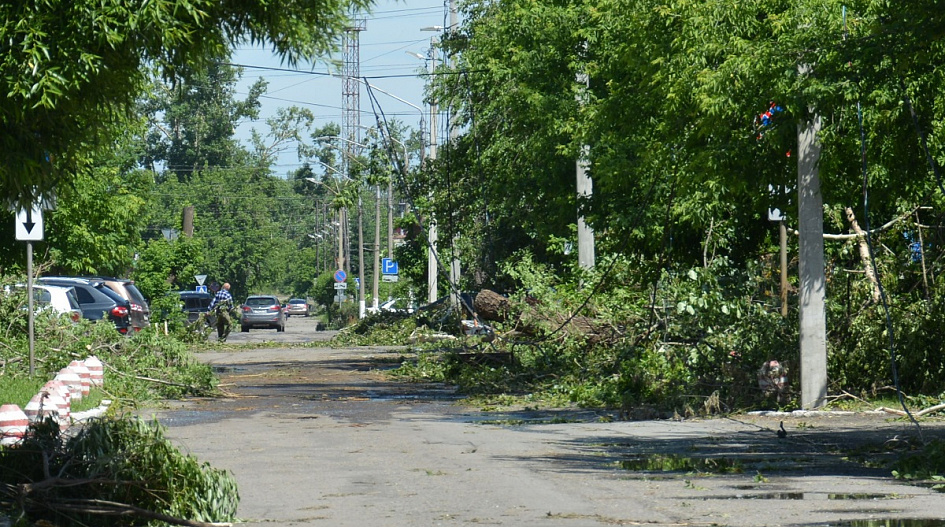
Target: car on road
194, 304
262, 311
298, 306
96, 300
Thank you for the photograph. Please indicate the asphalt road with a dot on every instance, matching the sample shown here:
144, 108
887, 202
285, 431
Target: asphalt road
322, 436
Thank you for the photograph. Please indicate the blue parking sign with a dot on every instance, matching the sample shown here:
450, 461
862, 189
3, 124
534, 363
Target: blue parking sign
388, 266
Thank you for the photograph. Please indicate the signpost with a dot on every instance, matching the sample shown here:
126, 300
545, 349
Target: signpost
389, 270
340, 277
29, 228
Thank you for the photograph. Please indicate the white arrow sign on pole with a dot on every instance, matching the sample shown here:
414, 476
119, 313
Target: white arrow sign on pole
29, 224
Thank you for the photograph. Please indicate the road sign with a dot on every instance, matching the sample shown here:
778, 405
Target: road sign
357, 282
390, 278
389, 266
29, 224
202, 289
341, 285
340, 275
200, 278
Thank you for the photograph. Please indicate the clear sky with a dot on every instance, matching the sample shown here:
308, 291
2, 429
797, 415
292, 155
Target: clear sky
388, 46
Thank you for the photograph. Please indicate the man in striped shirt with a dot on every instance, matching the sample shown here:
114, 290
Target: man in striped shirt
223, 303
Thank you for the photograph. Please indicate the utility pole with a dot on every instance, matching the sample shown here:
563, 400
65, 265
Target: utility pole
351, 129
454, 134
812, 288
585, 187
432, 268
377, 245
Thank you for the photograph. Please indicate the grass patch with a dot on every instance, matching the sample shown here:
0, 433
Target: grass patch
19, 390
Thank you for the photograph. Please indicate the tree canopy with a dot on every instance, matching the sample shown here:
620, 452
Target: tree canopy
72, 70
670, 112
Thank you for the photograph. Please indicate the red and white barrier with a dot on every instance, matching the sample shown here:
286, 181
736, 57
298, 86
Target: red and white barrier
71, 379
13, 425
60, 388
96, 370
42, 406
84, 375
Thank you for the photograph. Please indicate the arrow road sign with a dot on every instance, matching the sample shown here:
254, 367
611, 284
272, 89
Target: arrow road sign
29, 224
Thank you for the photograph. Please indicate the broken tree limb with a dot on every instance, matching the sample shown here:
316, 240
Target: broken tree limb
920, 413
864, 253
877, 230
149, 379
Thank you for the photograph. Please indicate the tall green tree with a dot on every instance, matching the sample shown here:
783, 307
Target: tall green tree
71, 71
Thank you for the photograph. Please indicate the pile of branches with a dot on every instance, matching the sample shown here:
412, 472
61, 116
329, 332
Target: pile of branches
115, 471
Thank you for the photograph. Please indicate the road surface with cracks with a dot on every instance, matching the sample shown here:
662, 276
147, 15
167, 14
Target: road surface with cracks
323, 436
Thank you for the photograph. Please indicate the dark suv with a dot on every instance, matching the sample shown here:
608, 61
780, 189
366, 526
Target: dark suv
140, 310
96, 299
196, 303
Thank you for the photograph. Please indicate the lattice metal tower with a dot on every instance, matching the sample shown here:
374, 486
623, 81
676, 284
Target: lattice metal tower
351, 91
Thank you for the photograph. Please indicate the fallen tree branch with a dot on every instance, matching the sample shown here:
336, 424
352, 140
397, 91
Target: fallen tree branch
150, 379
920, 413
853, 236
22, 494
111, 508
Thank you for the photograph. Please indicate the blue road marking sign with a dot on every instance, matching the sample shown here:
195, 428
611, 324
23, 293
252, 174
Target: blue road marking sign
340, 275
388, 266
202, 289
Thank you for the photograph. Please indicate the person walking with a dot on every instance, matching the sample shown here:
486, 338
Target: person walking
222, 306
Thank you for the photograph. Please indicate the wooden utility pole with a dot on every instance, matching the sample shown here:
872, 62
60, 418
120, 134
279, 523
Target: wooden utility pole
187, 221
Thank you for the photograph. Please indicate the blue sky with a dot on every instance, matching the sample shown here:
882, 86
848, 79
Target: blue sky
392, 35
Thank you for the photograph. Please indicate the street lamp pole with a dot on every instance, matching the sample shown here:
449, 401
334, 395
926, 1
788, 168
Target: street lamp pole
341, 252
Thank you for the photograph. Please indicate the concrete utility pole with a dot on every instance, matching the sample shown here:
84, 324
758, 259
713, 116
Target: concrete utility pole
375, 302
454, 133
432, 268
812, 293
585, 188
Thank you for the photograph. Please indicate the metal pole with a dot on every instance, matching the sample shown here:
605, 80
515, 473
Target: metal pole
29, 294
